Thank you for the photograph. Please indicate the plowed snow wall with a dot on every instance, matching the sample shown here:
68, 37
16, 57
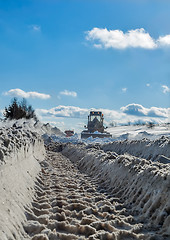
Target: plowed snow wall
142, 185
145, 148
19, 152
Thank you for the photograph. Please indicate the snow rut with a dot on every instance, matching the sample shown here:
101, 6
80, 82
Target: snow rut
71, 205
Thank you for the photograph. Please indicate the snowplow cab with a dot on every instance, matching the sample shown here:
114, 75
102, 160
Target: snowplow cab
95, 126
95, 122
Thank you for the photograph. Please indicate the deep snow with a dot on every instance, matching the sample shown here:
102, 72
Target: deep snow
38, 189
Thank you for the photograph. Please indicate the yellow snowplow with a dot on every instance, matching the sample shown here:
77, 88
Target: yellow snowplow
95, 126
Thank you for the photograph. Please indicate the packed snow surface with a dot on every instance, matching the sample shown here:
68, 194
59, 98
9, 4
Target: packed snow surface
141, 186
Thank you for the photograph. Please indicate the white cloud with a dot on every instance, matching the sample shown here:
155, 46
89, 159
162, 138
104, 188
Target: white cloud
139, 110
76, 112
124, 89
117, 39
71, 115
148, 84
20, 93
131, 109
64, 111
98, 46
68, 93
166, 89
35, 28
164, 41
137, 38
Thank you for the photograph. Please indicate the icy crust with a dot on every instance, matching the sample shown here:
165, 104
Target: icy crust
141, 185
19, 151
145, 148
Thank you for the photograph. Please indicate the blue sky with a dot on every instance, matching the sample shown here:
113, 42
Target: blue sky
103, 54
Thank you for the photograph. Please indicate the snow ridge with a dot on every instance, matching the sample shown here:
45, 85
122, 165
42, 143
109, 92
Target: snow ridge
145, 148
141, 185
19, 151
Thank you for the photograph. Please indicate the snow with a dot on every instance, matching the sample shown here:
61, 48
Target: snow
140, 132
139, 184
133, 167
20, 149
118, 133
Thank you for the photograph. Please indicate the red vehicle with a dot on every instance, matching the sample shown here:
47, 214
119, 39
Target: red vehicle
69, 133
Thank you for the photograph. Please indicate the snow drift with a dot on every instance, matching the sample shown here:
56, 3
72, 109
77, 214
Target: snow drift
19, 151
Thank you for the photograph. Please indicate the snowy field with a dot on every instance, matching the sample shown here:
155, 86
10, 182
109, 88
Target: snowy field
92, 189
139, 132
121, 133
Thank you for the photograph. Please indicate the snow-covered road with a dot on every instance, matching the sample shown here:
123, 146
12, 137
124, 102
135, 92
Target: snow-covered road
69, 204
115, 190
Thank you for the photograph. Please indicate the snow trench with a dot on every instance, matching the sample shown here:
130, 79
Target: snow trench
19, 152
141, 185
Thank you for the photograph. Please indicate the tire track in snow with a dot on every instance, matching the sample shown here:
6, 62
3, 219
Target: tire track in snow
70, 205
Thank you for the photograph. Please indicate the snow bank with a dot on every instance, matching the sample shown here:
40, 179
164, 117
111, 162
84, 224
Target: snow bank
20, 149
36, 126
155, 150
141, 185
145, 148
